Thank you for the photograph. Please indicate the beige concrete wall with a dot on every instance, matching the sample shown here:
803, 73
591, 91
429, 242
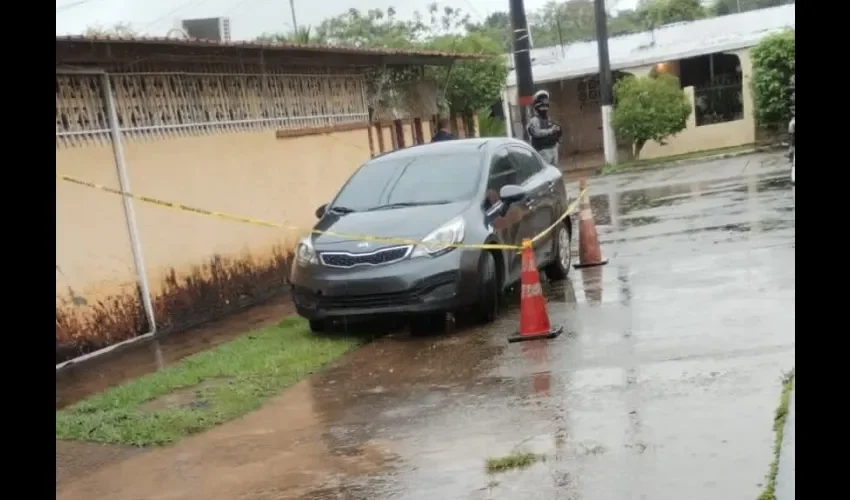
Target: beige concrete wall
426, 130
388, 133
253, 174
407, 129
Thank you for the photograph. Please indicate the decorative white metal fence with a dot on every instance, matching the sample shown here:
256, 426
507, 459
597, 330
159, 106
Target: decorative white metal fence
180, 103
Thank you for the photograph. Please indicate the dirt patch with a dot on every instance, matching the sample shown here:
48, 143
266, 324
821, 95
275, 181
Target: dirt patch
77, 459
193, 397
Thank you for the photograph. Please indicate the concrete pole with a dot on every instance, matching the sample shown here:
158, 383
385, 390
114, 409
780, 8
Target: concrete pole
609, 139
522, 62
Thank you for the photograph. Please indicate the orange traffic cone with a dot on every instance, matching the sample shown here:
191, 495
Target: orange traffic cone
589, 253
533, 318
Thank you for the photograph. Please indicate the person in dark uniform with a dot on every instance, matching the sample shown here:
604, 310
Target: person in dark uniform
545, 134
445, 132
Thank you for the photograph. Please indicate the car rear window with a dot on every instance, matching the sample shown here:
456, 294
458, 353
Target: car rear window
425, 179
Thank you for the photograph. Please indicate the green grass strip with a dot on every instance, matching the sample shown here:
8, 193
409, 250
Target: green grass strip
238, 377
781, 415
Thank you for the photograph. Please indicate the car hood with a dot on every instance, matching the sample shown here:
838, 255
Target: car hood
413, 223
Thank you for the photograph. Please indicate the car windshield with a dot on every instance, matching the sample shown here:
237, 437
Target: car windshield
408, 181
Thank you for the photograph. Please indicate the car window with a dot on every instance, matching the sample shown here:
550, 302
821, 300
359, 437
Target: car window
527, 163
412, 180
503, 171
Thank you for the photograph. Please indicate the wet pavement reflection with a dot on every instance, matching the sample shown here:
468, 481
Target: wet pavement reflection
662, 386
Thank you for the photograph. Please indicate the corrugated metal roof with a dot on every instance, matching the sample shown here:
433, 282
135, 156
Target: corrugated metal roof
666, 43
283, 46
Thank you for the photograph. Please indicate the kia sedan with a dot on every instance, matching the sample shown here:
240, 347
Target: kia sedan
441, 195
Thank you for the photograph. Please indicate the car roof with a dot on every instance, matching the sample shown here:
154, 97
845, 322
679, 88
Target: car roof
447, 147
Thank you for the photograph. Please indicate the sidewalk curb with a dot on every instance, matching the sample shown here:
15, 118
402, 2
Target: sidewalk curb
689, 161
787, 470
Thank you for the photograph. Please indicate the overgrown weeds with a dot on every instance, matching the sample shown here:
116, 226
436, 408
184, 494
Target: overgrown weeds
779, 418
211, 290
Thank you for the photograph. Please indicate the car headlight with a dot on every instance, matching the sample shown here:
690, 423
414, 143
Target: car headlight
305, 254
439, 241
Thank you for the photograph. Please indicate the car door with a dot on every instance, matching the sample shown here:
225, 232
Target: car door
509, 225
539, 202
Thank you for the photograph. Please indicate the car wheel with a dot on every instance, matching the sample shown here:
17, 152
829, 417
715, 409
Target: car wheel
559, 269
317, 325
487, 308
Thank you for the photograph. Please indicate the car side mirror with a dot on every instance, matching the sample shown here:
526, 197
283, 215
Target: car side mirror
320, 212
511, 194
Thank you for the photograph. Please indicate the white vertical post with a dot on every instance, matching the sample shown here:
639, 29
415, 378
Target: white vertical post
506, 110
129, 212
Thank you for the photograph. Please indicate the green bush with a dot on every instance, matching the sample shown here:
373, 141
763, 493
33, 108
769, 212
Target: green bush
649, 109
489, 126
773, 65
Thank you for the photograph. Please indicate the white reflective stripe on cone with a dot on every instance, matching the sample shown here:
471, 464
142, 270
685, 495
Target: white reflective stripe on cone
532, 290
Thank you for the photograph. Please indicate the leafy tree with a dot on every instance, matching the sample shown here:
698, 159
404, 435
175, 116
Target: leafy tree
649, 109
625, 22
773, 65
654, 13
496, 26
117, 30
574, 20
373, 28
569, 21
724, 7
471, 85
302, 35
490, 126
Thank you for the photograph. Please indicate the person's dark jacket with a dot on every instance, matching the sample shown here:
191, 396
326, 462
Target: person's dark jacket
442, 135
543, 132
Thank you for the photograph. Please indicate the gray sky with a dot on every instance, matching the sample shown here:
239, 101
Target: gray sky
249, 18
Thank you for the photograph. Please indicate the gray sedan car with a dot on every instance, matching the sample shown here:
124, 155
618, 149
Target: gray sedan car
472, 191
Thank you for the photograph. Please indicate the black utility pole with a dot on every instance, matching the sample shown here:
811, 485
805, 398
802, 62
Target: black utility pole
522, 62
606, 93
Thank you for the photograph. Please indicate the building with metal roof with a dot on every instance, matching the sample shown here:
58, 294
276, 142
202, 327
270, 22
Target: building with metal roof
709, 56
665, 43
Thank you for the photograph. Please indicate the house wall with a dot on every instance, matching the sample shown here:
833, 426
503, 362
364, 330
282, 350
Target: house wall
583, 126
706, 137
253, 174
278, 171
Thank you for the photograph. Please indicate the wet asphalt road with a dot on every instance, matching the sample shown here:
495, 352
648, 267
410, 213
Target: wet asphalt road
663, 387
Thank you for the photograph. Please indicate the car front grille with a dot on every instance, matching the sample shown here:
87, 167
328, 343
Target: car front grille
378, 257
411, 296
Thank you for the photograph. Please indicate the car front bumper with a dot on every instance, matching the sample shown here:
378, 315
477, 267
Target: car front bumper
412, 286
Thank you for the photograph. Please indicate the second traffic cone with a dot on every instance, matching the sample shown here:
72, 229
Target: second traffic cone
533, 318
589, 253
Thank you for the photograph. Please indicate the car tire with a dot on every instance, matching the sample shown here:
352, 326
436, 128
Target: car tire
317, 325
559, 268
486, 309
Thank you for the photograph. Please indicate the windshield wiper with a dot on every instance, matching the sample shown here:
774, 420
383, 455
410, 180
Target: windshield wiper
342, 210
403, 204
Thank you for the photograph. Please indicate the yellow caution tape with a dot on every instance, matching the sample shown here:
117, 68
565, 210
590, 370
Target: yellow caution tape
358, 237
